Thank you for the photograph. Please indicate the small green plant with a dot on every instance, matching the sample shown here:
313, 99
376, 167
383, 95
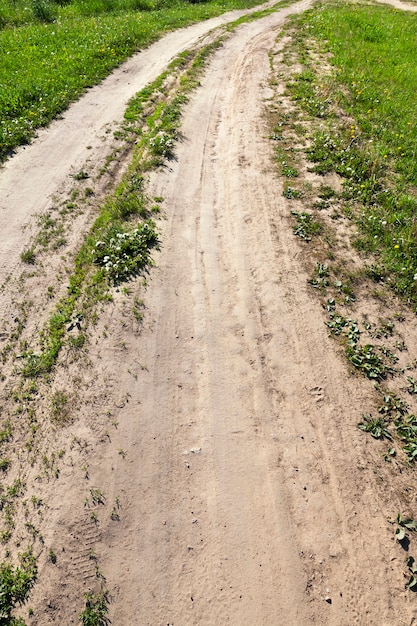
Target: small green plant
407, 522
5, 536
129, 199
15, 585
77, 341
36, 502
337, 323
385, 330
32, 530
406, 426
97, 496
28, 256
353, 333
4, 464
412, 566
291, 193
81, 175
52, 556
96, 609
288, 171
412, 385
114, 515
99, 574
60, 410
325, 192
392, 358
375, 272
393, 406
321, 275
138, 307
411, 451
377, 427
365, 359
16, 489
122, 254
162, 145
306, 225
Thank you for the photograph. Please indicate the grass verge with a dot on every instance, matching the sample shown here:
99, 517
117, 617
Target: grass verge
373, 79
360, 129
351, 84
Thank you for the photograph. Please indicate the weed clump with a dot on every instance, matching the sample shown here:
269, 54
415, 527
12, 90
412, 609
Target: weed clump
96, 609
28, 256
123, 254
306, 225
15, 586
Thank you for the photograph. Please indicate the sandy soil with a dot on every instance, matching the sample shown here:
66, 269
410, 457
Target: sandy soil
407, 6
224, 431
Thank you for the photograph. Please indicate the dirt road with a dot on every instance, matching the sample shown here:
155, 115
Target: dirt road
247, 494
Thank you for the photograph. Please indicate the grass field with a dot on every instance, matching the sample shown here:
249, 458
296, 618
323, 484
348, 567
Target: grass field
51, 51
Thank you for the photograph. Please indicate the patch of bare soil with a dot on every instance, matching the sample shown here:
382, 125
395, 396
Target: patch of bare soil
212, 471
403, 6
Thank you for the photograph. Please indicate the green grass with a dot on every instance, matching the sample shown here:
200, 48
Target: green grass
46, 64
373, 79
96, 609
15, 585
306, 226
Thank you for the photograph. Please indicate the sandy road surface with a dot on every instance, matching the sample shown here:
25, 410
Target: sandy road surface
247, 492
